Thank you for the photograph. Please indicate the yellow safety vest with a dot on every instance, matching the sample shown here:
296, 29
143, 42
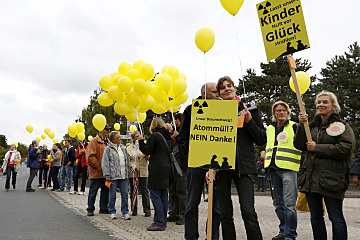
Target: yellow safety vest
287, 156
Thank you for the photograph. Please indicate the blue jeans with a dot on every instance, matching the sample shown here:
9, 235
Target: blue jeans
195, 185
68, 171
55, 177
285, 187
334, 208
95, 184
159, 199
10, 170
123, 185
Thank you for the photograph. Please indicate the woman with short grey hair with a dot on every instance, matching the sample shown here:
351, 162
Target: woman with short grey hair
116, 167
11, 165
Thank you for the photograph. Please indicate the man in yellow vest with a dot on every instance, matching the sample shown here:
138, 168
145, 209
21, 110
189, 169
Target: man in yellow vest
282, 160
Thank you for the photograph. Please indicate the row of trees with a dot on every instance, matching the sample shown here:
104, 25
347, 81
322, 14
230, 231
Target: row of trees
340, 76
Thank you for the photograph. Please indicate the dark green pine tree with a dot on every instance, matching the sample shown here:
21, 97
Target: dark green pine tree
273, 85
342, 77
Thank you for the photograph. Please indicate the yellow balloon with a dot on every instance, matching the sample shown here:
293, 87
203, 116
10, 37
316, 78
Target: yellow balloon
43, 136
80, 127
106, 82
115, 93
51, 134
142, 117
38, 139
232, 6
303, 80
47, 130
181, 99
181, 75
63, 142
81, 136
131, 117
117, 126
29, 128
133, 74
124, 67
122, 108
156, 92
147, 72
16, 144
165, 82
204, 39
133, 128
125, 84
90, 138
117, 77
159, 108
104, 100
72, 128
72, 135
173, 72
140, 86
179, 87
133, 98
163, 70
138, 64
176, 108
146, 103
114, 74
99, 122
56, 140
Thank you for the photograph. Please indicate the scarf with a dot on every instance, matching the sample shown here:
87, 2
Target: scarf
12, 156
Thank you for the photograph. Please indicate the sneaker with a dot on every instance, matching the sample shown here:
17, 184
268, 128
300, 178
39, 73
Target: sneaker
278, 237
134, 214
112, 216
14, 186
104, 211
73, 192
147, 214
58, 190
90, 213
41, 187
52, 190
81, 193
66, 190
30, 190
126, 217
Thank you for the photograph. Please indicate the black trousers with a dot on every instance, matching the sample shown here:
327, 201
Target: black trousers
83, 171
31, 178
178, 197
245, 189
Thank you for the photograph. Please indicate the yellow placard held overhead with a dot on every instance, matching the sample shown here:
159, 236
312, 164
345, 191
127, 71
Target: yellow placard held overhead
213, 134
283, 27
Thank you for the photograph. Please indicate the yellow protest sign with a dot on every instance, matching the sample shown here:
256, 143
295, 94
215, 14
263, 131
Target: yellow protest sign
213, 134
283, 27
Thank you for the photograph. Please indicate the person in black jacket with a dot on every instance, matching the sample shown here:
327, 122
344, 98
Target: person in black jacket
159, 170
251, 132
196, 176
68, 165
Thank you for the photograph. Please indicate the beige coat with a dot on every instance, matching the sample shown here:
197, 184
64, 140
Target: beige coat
16, 157
141, 161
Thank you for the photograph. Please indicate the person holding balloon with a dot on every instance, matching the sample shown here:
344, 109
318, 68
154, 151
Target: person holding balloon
324, 173
68, 165
11, 166
81, 168
56, 155
251, 132
159, 170
34, 157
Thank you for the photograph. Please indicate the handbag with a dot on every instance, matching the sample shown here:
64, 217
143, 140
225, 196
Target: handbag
302, 205
175, 167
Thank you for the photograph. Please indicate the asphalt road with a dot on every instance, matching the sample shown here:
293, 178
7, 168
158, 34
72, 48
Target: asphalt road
36, 215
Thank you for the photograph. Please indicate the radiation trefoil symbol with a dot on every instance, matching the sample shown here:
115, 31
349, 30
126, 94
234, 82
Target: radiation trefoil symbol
261, 7
200, 106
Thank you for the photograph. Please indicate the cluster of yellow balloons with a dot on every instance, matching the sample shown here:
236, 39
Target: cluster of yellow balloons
47, 131
303, 80
77, 129
133, 90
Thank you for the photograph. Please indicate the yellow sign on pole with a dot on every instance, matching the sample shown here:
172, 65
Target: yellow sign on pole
283, 27
213, 134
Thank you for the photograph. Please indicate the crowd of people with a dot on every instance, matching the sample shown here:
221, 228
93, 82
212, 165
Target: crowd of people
318, 168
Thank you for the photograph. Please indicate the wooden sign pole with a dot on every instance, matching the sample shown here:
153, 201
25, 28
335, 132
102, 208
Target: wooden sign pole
210, 202
292, 66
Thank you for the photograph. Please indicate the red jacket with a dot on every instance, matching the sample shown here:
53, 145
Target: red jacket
81, 157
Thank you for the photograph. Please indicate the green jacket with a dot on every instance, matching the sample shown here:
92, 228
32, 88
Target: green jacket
325, 171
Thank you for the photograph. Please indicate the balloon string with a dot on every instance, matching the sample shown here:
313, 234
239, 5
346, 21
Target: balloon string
173, 119
205, 73
137, 117
238, 46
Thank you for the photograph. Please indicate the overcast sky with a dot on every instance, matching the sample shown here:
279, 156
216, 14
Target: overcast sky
53, 53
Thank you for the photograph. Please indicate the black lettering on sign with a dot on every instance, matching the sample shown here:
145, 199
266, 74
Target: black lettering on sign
272, 19
198, 137
282, 32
